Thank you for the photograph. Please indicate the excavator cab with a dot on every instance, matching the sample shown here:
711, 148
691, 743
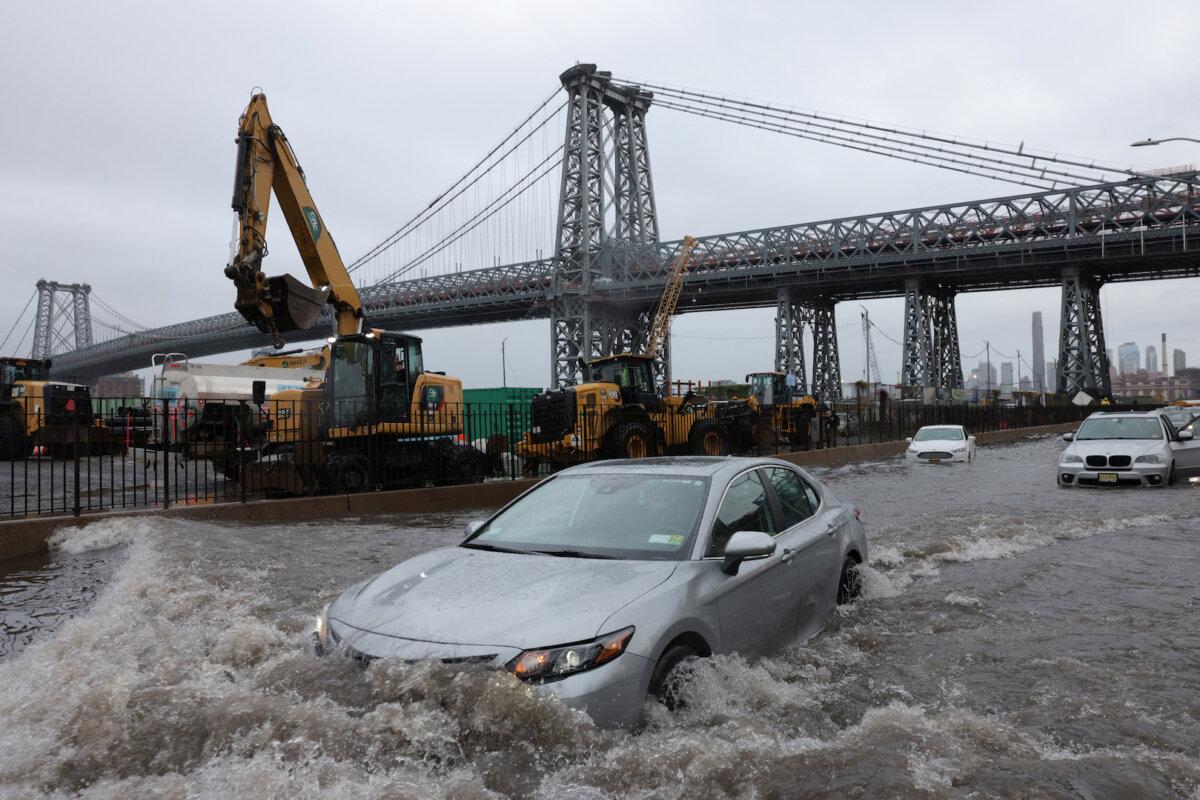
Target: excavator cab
633, 374
372, 377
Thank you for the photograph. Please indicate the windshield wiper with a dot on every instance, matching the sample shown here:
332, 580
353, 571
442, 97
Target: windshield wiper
493, 547
573, 554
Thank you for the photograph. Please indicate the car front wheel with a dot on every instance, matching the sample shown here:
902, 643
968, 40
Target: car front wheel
671, 675
850, 582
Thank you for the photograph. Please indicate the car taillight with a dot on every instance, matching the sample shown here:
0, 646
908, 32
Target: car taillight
858, 514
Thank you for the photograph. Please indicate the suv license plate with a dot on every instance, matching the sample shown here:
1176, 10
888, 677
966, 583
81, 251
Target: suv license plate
1107, 477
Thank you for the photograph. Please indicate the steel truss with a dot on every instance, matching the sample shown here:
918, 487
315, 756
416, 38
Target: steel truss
931, 355
64, 318
827, 369
790, 317
1082, 359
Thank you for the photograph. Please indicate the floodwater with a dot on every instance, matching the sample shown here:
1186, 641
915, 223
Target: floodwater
1016, 640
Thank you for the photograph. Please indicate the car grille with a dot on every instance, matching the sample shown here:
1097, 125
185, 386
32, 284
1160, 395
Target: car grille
934, 454
364, 659
551, 416
1112, 462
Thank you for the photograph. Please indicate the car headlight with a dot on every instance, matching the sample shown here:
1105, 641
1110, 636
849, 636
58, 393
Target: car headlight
1150, 459
1071, 458
551, 663
321, 632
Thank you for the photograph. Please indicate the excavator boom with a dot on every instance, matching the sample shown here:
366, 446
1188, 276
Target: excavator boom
279, 305
670, 299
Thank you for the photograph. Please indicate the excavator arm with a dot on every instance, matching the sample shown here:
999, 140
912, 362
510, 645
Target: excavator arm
670, 299
278, 305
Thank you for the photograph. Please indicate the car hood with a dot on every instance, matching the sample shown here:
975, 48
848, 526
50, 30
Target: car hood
1118, 447
459, 596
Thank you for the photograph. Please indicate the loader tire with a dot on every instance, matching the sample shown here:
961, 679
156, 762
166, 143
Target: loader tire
707, 438
629, 440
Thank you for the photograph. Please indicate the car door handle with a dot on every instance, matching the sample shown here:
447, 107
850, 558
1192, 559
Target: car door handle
788, 553
832, 528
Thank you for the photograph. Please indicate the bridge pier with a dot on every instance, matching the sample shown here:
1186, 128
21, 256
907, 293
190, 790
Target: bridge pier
1082, 359
931, 353
789, 337
827, 369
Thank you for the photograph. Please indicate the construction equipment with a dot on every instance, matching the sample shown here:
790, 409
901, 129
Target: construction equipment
618, 412
38, 415
315, 359
779, 409
377, 417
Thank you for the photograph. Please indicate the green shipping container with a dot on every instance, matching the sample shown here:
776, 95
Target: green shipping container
500, 411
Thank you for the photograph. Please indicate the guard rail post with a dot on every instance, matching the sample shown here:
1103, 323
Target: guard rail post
75, 455
165, 447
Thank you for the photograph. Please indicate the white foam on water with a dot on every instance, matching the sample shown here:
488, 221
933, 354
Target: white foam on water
966, 601
104, 534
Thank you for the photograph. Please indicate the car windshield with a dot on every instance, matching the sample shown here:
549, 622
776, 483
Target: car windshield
631, 516
939, 434
1120, 428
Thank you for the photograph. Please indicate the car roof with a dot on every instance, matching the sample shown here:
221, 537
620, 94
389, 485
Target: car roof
923, 427
701, 466
1109, 414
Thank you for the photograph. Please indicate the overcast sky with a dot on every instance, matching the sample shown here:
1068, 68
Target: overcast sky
116, 149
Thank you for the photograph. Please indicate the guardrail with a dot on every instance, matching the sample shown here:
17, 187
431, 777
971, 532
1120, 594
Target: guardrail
156, 453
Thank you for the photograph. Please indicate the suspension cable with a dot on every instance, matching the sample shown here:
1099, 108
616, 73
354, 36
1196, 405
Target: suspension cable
426, 212
17, 321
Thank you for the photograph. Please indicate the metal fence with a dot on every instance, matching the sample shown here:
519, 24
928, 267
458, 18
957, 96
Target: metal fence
146, 453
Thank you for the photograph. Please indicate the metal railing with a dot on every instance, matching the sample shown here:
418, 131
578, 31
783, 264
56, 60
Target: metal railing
157, 453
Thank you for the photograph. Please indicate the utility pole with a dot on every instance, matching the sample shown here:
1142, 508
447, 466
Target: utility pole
503, 365
1018, 386
988, 346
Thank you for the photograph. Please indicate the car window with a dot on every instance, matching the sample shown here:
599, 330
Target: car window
636, 516
1097, 428
939, 434
743, 509
796, 497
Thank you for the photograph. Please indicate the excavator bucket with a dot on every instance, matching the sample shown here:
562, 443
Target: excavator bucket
294, 306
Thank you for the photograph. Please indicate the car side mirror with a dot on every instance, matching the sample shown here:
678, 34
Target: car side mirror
746, 546
473, 526
1185, 436
909, 440
1069, 436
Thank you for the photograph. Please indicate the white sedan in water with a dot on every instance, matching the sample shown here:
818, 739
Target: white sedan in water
941, 444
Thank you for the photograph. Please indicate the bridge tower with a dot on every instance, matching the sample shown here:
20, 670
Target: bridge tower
931, 352
790, 317
594, 215
64, 318
1082, 359
827, 368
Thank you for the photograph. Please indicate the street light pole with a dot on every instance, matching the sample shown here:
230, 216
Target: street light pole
1152, 142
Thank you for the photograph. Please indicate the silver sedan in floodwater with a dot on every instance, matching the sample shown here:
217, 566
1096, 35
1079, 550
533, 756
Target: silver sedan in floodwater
602, 582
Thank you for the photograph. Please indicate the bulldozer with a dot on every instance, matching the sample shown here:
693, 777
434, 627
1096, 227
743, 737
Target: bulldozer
41, 416
371, 415
776, 406
617, 411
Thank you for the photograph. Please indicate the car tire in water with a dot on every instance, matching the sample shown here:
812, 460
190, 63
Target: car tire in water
629, 440
1171, 475
672, 672
849, 583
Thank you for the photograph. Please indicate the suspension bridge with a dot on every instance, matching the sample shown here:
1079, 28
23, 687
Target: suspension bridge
565, 228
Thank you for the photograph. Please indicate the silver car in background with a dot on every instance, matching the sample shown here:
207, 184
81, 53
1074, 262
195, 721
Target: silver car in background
1127, 449
602, 582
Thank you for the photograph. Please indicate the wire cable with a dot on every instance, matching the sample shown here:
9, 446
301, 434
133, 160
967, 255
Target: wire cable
17, 321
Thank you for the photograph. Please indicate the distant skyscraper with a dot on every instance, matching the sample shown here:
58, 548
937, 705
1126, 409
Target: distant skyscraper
1025, 384
1039, 354
1180, 360
1052, 375
1006, 377
986, 379
1129, 358
1151, 359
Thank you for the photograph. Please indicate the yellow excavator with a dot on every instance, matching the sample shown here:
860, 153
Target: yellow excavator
617, 412
377, 418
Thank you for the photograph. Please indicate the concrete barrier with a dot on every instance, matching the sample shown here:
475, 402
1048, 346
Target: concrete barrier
23, 537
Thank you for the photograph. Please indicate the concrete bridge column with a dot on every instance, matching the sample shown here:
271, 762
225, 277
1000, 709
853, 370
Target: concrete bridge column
789, 338
827, 369
1082, 358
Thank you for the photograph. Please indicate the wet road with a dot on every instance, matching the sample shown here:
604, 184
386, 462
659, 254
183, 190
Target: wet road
1017, 640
